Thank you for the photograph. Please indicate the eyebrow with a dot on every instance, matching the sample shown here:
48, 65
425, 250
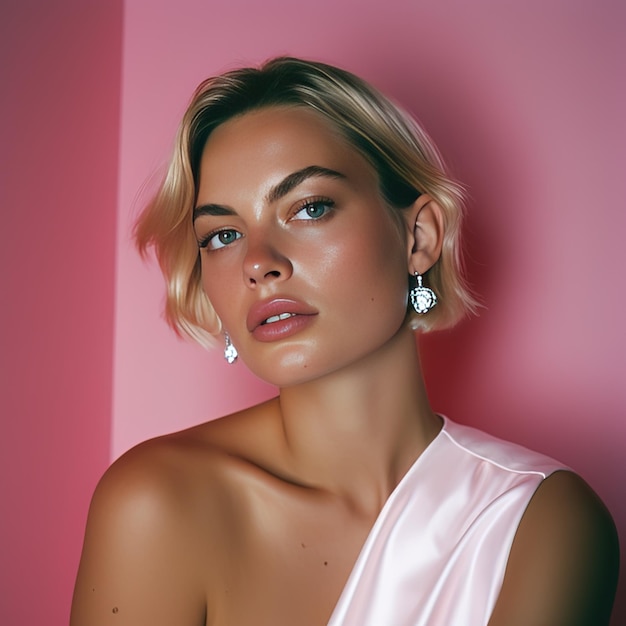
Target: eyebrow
275, 193
211, 209
297, 178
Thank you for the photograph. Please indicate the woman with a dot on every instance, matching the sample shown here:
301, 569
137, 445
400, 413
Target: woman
310, 224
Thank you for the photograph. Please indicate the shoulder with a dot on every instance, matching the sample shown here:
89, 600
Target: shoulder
499, 452
158, 529
150, 482
171, 469
137, 535
562, 568
160, 482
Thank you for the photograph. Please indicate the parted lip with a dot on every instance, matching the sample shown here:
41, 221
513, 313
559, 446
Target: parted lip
262, 310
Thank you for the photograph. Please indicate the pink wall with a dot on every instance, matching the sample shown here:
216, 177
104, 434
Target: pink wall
59, 126
526, 99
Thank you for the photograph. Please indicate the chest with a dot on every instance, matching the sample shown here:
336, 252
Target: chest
284, 560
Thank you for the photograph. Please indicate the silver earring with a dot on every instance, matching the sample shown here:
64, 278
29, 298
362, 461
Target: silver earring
423, 298
230, 352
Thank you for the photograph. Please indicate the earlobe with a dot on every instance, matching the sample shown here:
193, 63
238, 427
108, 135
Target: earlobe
425, 234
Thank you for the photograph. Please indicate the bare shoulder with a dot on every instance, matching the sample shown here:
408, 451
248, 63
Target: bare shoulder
562, 569
158, 528
156, 481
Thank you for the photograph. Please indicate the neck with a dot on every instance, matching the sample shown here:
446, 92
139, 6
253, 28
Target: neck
356, 431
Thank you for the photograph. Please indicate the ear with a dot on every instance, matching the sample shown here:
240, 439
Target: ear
424, 234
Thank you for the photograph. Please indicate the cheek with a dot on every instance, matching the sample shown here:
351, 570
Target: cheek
383, 251
216, 285
388, 272
373, 273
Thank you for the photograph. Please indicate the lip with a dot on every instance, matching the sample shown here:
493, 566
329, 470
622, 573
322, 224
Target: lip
264, 309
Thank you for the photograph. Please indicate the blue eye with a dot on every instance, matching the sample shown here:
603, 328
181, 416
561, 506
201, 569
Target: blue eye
220, 239
314, 209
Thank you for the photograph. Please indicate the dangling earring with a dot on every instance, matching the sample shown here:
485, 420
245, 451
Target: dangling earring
230, 352
423, 298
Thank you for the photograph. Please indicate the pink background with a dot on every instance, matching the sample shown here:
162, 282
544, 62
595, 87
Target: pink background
525, 99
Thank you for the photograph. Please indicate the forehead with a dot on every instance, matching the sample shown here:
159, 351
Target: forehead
265, 145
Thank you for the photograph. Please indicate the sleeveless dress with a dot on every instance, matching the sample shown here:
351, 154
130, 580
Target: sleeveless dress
437, 552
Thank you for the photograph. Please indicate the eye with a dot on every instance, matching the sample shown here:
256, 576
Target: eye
313, 209
219, 239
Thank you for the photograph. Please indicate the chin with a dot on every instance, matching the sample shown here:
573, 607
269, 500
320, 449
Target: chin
283, 376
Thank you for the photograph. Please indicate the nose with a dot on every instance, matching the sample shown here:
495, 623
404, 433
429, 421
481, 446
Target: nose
264, 263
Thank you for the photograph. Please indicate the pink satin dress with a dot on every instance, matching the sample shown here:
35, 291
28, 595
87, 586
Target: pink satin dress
436, 555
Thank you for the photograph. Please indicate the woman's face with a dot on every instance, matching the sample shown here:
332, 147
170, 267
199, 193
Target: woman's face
303, 262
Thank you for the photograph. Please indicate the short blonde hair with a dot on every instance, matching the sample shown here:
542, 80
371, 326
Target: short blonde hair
406, 160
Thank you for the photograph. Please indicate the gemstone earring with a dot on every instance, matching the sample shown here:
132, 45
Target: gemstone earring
423, 298
230, 352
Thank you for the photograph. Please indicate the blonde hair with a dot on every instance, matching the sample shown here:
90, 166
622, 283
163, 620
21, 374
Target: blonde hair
406, 160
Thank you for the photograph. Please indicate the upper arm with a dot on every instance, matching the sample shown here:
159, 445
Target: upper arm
562, 569
138, 564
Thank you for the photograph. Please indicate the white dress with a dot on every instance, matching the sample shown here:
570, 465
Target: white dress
437, 552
